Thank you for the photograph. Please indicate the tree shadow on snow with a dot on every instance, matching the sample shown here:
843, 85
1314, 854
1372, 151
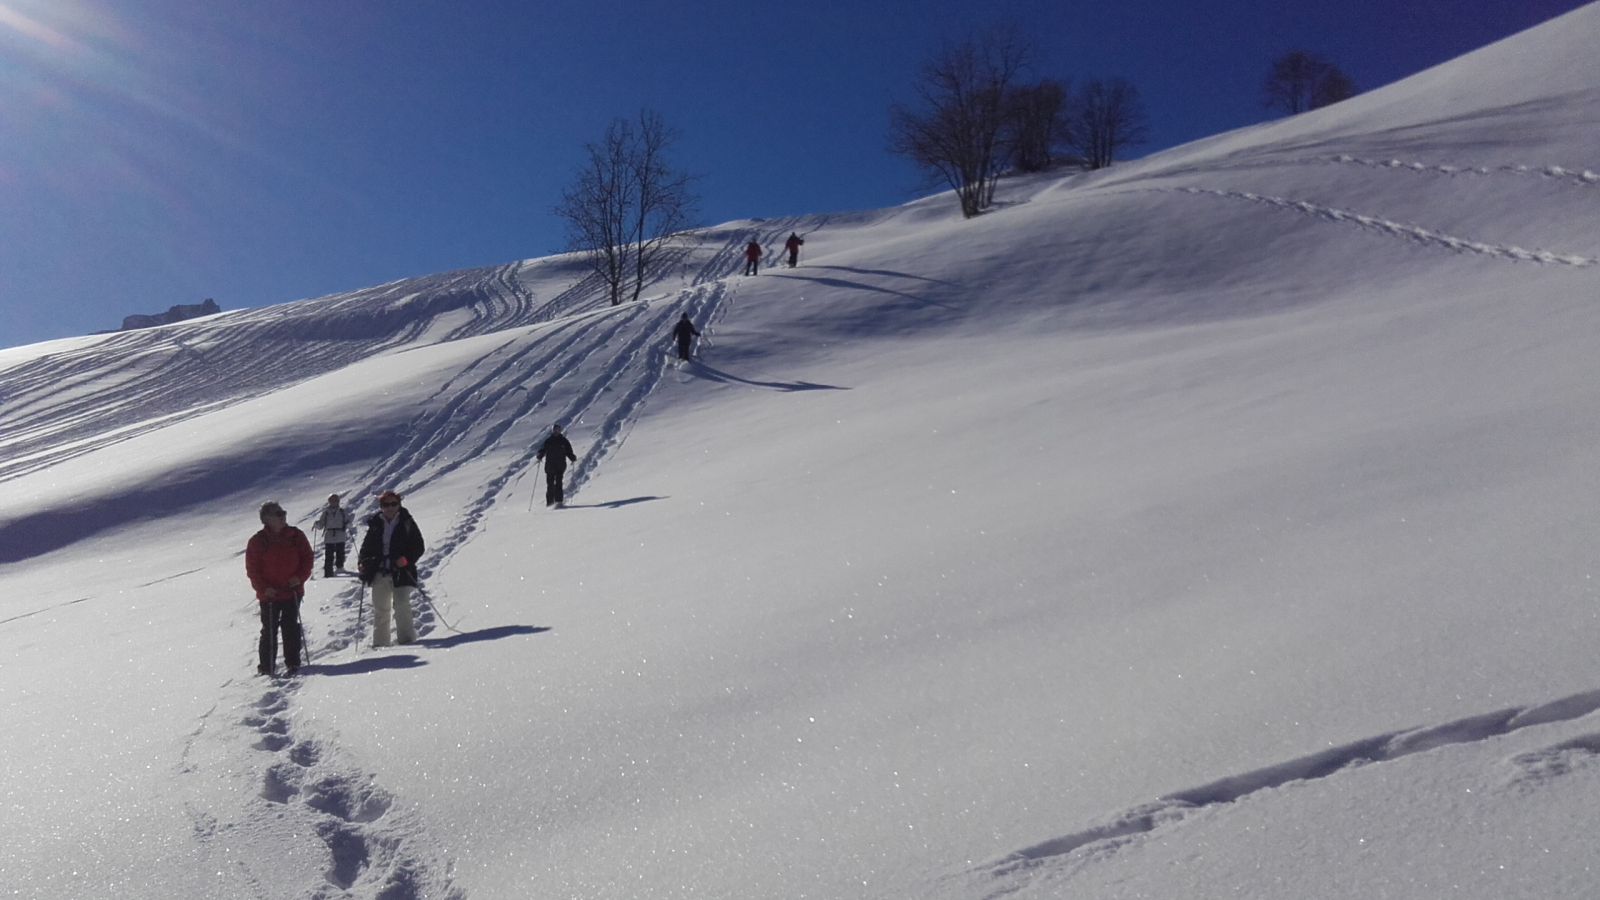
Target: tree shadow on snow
482, 634
709, 373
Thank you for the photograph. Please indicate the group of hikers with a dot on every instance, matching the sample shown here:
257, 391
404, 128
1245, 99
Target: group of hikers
753, 251
279, 559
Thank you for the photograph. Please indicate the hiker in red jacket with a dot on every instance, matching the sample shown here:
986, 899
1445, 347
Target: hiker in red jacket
278, 560
752, 256
793, 246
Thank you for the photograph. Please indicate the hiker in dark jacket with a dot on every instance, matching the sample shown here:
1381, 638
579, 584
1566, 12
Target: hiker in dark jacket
684, 332
388, 562
555, 451
793, 246
752, 257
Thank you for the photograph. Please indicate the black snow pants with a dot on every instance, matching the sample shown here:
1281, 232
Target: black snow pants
280, 616
332, 558
553, 491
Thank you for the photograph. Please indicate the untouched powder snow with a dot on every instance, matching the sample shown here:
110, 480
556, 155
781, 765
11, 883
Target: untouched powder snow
1216, 525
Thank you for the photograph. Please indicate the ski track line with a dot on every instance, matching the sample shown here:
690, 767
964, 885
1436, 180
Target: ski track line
604, 382
1394, 229
1121, 829
118, 384
124, 386
436, 431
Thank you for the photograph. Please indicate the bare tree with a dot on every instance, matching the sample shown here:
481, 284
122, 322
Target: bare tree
1035, 124
1333, 87
954, 135
1300, 81
1106, 117
627, 204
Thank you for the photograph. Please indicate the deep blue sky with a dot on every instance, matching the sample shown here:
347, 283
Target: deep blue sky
258, 151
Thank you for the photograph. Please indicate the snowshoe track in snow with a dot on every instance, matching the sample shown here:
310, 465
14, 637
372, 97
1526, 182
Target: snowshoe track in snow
372, 847
1397, 229
1069, 853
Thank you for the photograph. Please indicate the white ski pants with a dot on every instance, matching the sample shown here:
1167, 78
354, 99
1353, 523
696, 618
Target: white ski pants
387, 597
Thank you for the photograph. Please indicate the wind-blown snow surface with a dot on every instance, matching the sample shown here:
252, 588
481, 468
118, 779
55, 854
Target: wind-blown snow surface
1218, 525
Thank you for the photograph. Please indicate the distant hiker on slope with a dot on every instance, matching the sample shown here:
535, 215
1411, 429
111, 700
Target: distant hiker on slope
684, 332
793, 246
334, 521
388, 562
555, 451
752, 257
278, 560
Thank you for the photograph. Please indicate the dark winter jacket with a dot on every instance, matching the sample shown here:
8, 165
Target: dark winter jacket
793, 243
406, 544
752, 251
684, 330
279, 561
555, 452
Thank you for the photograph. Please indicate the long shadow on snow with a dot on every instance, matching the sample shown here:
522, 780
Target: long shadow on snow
614, 504
51, 529
856, 285
482, 634
889, 272
701, 370
369, 664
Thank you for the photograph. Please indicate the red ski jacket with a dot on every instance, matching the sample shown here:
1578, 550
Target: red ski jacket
273, 560
752, 251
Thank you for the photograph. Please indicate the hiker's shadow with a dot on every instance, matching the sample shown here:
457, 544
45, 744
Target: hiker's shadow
368, 664
711, 373
614, 504
482, 634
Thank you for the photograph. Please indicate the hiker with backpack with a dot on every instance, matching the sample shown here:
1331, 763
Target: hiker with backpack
752, 257
278, 561
555, 451
793, 245
336, 525
684, 332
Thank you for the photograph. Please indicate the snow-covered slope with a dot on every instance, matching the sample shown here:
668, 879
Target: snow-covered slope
1215, 525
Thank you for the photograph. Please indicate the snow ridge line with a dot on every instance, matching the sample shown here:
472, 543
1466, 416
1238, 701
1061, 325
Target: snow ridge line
1119, 829
1394, 229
